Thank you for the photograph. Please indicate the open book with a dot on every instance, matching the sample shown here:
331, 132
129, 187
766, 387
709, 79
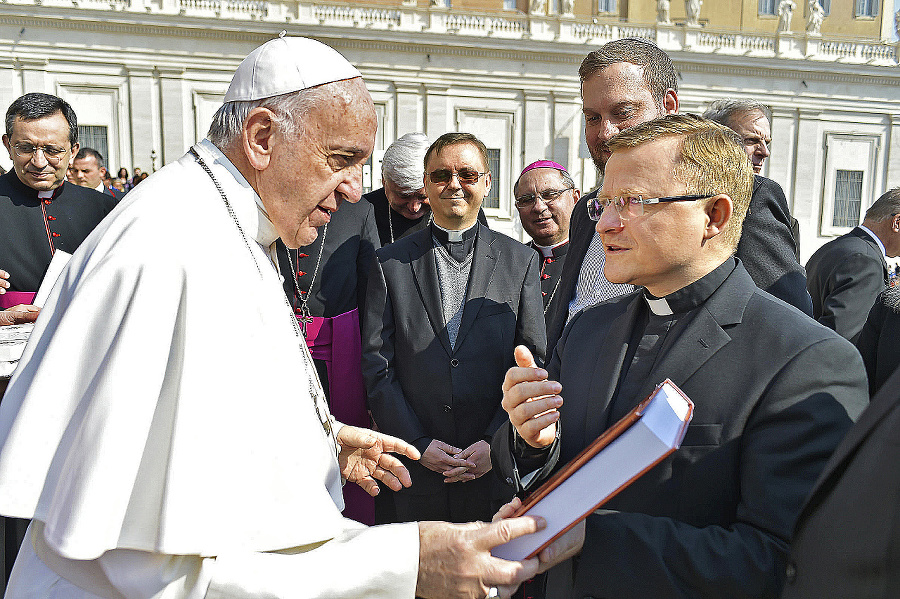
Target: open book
643, 438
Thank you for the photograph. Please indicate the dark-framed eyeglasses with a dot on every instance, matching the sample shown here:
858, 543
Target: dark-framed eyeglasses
467, 176
548, 196
53, 154
632, 206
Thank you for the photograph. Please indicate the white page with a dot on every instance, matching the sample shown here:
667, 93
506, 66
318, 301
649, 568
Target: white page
59, 261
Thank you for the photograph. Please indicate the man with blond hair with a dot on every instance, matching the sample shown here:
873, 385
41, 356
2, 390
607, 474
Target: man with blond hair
714, 519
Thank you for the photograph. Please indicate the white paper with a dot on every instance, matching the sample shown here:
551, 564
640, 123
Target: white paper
59, 261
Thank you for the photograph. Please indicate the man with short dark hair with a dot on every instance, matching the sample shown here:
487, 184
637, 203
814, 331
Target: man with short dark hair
544, 196
445, 308
401, 204
89, 170
39, 211
714, 519
625, 83
847, 274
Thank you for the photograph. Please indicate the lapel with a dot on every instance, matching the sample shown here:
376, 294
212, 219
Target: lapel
484, 261
863, 235
884, 401
704, 336
607, 369
424, 269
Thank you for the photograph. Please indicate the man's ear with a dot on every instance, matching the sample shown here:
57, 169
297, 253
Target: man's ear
670, 101
718, 210
487, 183
75, 147
258, 136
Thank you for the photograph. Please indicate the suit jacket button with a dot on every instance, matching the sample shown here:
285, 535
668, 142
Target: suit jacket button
454, 362
791, 572
447, 408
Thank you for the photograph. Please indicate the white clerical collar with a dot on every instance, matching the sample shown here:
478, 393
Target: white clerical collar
547, 250
46, 193
256, 223
454, 235
875, 237
659, 306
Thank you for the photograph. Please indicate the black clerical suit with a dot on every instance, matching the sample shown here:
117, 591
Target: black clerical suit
845, 277
879, 341
420, 387
392, 225
847, 540
773, 392
32, 229
767, 248
551, 269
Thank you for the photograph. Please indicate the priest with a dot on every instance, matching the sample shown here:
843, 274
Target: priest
39, 212
180, 457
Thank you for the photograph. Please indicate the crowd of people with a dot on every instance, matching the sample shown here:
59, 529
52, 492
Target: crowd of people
252, 380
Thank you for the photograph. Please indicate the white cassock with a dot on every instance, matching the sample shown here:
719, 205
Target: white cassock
160, 429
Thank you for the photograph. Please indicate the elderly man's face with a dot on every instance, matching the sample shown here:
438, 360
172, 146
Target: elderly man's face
311, 174
455, 203
615, 99
40, 150
753, 127
87, 173
660, 249
409, 204
545, 220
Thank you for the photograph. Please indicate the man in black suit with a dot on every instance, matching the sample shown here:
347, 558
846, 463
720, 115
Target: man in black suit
89, 170
847, 274
714, 519
847, 535
625, 83
878, 341
445, 307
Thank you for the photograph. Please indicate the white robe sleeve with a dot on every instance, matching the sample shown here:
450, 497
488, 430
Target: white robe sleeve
379, 562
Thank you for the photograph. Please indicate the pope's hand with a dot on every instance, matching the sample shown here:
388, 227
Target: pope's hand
19, 314
365, 457
531, 400
4, 284
455, 559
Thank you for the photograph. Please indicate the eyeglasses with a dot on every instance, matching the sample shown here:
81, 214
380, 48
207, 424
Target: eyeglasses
548, 196
467, 176
53, 154
632, 206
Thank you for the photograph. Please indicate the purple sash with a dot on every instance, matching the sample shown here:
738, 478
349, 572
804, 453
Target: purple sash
14, 298
336, 341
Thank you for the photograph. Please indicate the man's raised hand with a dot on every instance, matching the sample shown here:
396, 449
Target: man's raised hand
531, 400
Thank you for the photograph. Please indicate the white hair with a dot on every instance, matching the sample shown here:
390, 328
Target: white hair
290, 110
404, 162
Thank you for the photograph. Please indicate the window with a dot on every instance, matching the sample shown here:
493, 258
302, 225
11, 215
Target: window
826, 6
606, 5
866, 8
94, 136
847, 198
509, 4
767, 7
492, 199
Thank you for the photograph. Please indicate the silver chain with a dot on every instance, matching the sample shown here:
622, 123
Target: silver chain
317, 394
304, 298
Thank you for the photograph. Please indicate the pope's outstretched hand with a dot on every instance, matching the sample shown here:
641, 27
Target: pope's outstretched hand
366, 457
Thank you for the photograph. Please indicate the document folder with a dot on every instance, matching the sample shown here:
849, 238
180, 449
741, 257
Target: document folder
639, 441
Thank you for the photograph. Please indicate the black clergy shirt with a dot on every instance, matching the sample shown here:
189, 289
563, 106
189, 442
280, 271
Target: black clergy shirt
31, 229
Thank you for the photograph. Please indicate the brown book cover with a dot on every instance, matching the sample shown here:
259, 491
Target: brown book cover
576, 491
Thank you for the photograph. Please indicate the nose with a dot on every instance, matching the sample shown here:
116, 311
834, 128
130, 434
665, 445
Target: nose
39, 162
351, 187
610, 220
607, 130
762, 149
